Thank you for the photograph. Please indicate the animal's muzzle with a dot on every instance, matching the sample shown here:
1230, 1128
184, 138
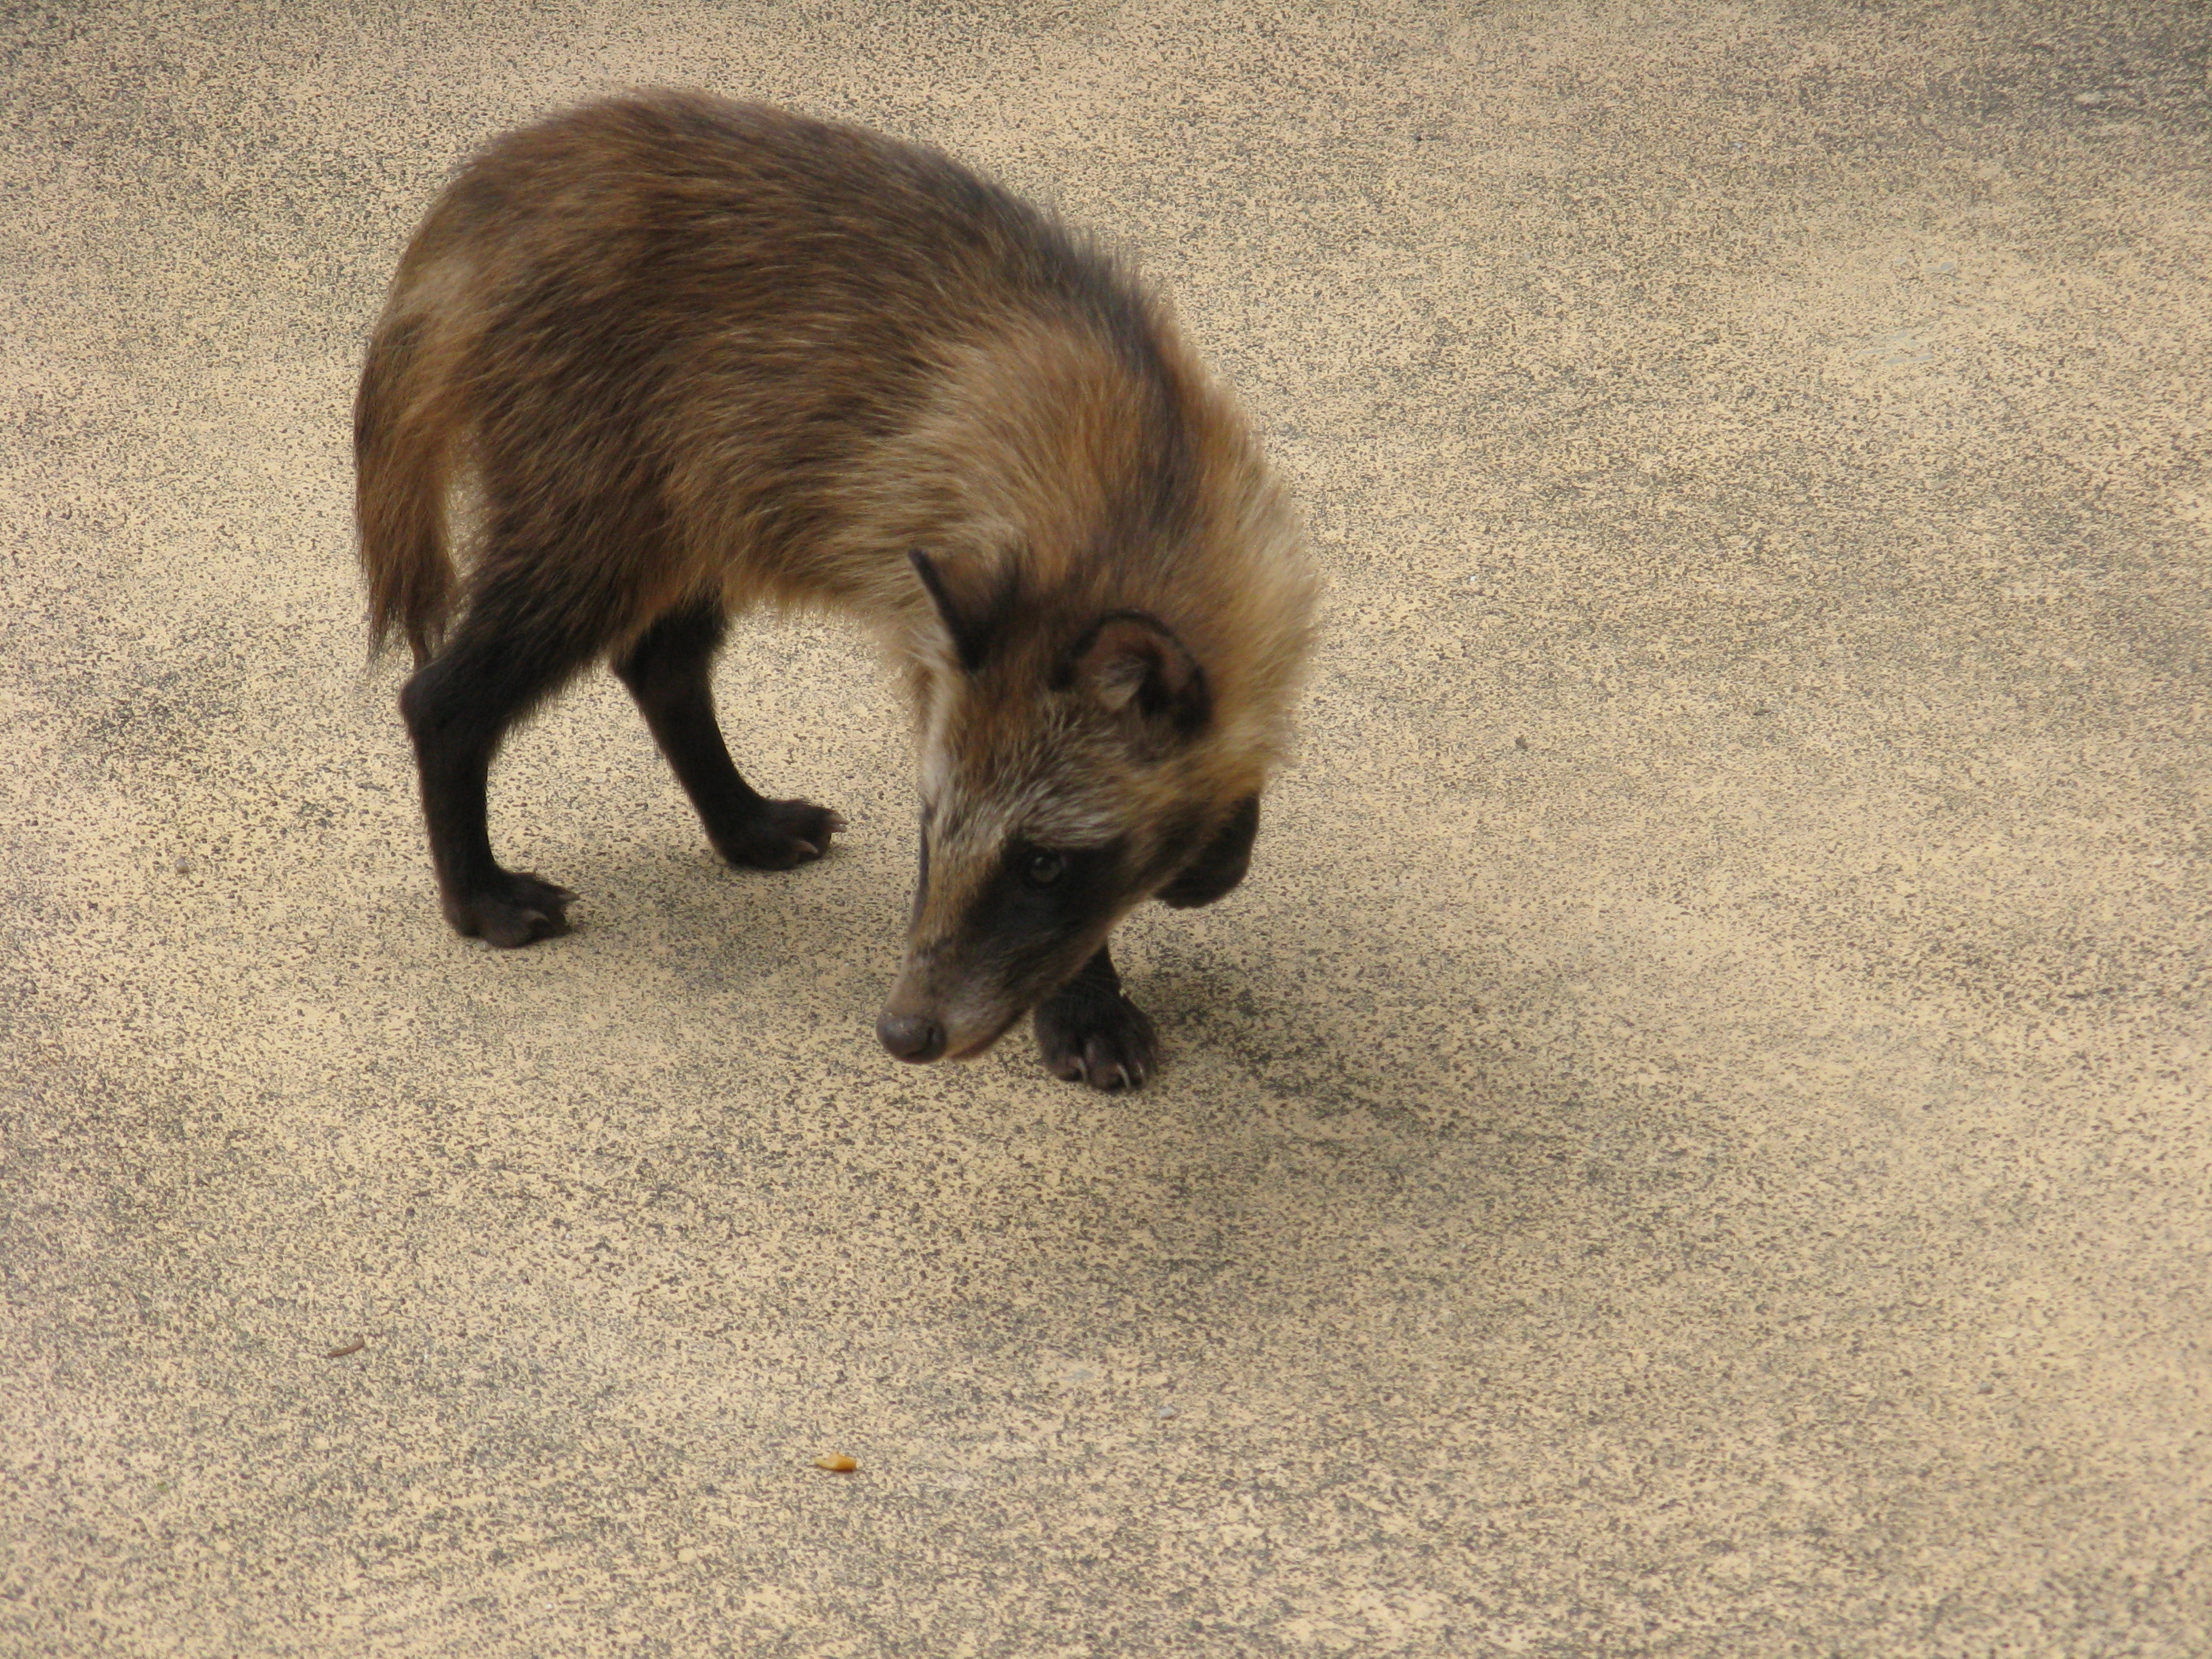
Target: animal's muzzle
913, 1037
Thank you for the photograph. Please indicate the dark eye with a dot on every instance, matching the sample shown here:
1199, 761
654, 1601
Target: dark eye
1041, 868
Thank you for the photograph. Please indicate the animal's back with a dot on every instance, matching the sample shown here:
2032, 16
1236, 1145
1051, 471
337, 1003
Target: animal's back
691, 217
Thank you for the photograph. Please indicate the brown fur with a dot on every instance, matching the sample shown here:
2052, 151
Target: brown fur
682, 357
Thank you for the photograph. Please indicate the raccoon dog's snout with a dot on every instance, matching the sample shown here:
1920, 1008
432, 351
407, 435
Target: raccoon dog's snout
911, 1036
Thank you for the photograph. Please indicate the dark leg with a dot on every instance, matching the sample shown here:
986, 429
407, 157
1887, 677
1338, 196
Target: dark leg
668, 671
458, 708
1089, 1032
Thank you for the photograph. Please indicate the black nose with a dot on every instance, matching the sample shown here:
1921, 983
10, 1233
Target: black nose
911, 1037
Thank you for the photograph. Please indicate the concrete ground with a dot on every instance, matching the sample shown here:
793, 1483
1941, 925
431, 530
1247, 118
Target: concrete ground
1696, 1139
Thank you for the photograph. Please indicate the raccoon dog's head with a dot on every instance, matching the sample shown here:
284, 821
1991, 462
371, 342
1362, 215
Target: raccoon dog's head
1073, 764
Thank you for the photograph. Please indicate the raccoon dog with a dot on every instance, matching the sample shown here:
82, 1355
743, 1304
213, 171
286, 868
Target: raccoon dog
686, 356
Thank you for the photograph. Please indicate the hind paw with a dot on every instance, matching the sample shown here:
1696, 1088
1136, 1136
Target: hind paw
1097, 1037
512, 910
779, 835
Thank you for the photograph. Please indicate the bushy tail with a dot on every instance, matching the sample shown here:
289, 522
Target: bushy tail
403, 440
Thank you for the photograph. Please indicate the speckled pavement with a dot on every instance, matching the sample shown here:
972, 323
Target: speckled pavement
1696, 1139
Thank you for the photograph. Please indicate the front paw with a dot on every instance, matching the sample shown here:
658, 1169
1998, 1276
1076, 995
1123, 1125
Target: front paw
777, 834
1101, 1038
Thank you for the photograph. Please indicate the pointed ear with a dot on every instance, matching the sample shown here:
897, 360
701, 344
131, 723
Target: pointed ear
971, 622
1132, 663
